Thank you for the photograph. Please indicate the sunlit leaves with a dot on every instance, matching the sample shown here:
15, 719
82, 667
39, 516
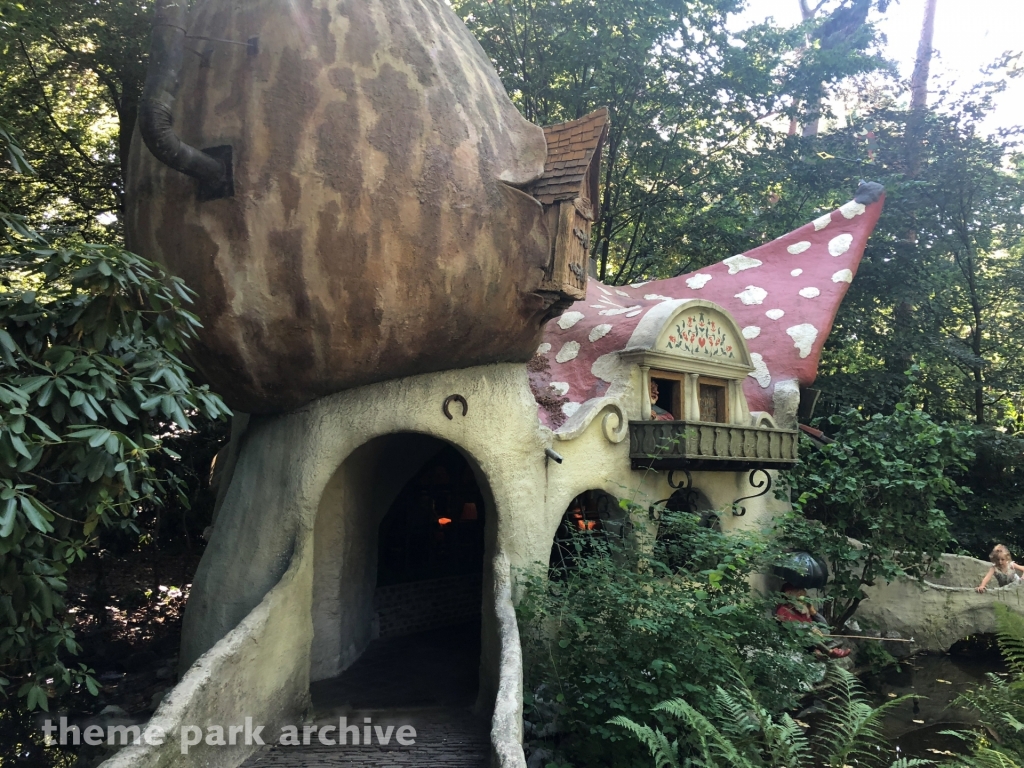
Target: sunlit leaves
884, 482
691, 165
90, 383
624, 623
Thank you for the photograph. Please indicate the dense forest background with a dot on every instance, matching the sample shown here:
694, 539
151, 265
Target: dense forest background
721, 139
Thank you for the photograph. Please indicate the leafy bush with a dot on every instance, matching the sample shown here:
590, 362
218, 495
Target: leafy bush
738, 731
995, 514
1000, 704
884, 482
91, 389
616, 632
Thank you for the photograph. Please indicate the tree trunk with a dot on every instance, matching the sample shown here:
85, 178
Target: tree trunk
919, 90
127, 115
604, 244
851, 609
919, 81
904, 311
978, 373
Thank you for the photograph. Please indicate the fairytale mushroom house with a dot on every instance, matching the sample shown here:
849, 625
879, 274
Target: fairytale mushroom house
387, 258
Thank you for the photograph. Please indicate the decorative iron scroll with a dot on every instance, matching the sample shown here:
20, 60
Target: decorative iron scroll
737, 509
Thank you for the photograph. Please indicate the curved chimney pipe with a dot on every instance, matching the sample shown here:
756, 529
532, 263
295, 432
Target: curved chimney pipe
166, 54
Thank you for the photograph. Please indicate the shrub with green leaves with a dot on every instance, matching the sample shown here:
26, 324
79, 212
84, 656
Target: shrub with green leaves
1000, 704
737, 730
883, 482
632, 622
91, 385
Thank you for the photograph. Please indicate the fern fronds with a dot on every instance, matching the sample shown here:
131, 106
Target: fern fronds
1000, 707
984, 757
786, 743
852, 727
738, 717
911, 762
1010, 635
665, 753
717, 750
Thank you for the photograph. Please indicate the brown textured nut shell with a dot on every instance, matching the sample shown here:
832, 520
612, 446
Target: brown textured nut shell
373, 232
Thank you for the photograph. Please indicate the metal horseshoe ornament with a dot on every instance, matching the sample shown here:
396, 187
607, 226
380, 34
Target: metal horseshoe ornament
454, 399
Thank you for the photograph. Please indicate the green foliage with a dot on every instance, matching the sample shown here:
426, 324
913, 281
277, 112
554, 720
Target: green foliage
72, 76
14, 153
883, 482
996, 507
691, 160
736, 730
876, 659
941, 285
1000, 704
603, 636
91, 389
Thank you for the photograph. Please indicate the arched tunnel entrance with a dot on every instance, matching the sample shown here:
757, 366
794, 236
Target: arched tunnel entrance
400, 542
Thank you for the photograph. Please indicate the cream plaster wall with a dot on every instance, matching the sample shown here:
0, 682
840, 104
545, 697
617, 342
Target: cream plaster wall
306, 497
288, 470
251, 672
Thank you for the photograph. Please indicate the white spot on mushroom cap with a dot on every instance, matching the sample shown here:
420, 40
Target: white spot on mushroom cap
634, 313
544, 348
796, 272
569, 319
810, 292
851, 209
622, 293
638, 285
560, 387
822, 221
658, 296
619, 310
800, 247
570, 408
843, 276
774, 314
803, 336
760, 373
699, 281
604, 290
568, 352
599, 331
837, 246
739, 263
751, 332
607, 367
752, 295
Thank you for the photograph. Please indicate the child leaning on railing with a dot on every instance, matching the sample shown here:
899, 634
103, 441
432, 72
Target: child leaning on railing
1003, 568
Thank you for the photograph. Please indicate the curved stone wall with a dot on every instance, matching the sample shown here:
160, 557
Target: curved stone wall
939, 611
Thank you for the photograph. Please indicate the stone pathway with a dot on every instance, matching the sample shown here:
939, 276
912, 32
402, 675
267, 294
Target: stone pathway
445, 738
428, 681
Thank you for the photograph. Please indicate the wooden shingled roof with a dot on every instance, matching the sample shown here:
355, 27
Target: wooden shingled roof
571, 149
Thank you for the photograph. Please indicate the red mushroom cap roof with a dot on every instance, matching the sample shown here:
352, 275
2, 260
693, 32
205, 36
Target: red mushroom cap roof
784, 295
